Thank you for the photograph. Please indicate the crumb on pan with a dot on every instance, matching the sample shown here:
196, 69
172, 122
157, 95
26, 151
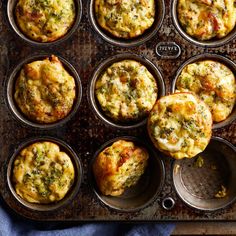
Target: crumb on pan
199, 162
222, 192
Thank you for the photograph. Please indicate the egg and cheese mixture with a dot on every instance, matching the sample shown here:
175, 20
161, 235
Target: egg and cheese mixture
207, 19
123, 18
214, 83
180, 125
119, 166
126, 91
44, 90
42, 173
45, 20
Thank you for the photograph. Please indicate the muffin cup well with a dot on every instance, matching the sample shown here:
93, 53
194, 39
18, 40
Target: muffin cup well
144, 192
206, 56
10, 88
12, 21
207, 43
73, 190
147, 35
98, 72
198, 184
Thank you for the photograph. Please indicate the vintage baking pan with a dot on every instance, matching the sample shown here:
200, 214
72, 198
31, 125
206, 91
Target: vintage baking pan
182, 197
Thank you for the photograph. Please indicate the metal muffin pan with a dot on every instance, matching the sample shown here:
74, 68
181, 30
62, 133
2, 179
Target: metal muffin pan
10, 88
207, 43
144, 192
86, 132
197, 185
71, 193
147, 35
12, 21
99, 71
215, 57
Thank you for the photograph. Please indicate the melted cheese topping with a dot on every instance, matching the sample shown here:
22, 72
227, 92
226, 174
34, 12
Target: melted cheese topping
214, 83
42, 173
45, 20
125, 18
126, 91
119, 166
207, 19
45, 91
180, 125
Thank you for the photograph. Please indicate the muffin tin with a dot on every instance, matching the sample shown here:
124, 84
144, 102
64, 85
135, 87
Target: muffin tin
86, 49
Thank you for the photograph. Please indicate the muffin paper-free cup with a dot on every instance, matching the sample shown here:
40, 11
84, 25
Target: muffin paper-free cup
99, 71
11, 4
73, 191
144, 192
10, 89
215, 57
207, 182
147, 35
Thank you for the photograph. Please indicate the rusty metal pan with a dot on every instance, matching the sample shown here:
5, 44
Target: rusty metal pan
86, 132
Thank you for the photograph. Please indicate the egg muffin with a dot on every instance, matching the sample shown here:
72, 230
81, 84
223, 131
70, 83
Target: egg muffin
207, 19
119, 166
213, 82
125, 19
180, 125
45, 20
42, 173
126, 91
45, 91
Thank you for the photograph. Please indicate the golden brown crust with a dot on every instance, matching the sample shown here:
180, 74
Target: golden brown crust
125, 19
119, 166
42, 173
44, 91
126, 91
45, 20
180, 125
207, 19
213, 82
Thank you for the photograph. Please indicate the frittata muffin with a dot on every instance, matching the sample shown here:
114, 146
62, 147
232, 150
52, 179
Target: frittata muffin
213, 82
119, 166
207, 19
126, 91
125, 19
180, 125
45, 20
42, 173
45, 91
